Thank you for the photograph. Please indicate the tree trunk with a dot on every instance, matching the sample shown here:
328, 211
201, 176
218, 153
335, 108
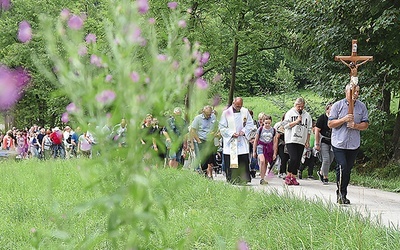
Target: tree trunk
233, 71
396, 137
386, 101
234, 58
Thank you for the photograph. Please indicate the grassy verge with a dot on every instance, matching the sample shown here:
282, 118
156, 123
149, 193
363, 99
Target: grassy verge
45, 205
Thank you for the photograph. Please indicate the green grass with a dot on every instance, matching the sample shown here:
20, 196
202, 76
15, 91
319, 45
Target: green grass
73, 205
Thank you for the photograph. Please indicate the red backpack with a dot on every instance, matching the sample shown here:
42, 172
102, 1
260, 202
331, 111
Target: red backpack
56, 138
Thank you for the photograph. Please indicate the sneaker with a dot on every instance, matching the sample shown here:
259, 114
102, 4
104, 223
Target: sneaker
282, 175
300, 175
341, 199
288, 180
311, 177
270, 174
253, 173
320, 176
294, 181
325, 181
263, 182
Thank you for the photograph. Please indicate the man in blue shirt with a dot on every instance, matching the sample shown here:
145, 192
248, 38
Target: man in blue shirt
203, 131
346, 137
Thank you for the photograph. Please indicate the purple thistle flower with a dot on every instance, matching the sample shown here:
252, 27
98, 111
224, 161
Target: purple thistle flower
91, 38
106, 96
204, 58
95, 60
172, 5
65, 14
182, 24
242, 245
135, 76
75, 22
12, 84
201, 83
108, 78
143, 6
5, 5
198, 72
82, 50
64, 117
152, 20
24, 32
135, 34
71, 108
162, 57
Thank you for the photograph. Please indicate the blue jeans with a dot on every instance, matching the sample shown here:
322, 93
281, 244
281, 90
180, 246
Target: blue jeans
345, 159
58, 150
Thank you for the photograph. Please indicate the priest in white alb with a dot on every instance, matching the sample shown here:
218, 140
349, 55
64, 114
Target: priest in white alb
235, 126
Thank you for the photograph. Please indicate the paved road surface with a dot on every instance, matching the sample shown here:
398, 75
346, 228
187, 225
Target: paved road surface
382, 206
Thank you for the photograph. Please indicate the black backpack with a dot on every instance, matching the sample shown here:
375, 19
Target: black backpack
69, 139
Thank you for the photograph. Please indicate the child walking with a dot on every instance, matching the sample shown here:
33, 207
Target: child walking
265, 146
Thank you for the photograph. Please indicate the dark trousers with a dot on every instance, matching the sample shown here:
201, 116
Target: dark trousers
295, 153
240, 175
284, 158
345, 159
309, 163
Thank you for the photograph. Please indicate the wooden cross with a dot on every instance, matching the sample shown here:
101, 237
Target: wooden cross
352, 63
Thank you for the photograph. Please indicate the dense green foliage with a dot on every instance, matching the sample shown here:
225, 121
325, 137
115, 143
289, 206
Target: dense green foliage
70, 204
272, 46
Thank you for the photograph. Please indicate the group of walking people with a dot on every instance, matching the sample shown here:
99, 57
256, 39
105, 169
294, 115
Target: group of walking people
235, 138
295, 139
41, 143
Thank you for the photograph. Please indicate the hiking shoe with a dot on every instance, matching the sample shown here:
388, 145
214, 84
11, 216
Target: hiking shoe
300, 175
320, 176
288, 180
311, 177
263, 182
325, 181
294, 181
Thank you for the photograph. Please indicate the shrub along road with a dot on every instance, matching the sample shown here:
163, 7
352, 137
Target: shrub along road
383, 207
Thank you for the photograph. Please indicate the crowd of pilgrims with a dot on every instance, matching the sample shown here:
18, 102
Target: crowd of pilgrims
42, 143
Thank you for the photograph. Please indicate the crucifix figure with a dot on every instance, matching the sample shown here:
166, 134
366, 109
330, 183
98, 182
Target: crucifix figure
352, 63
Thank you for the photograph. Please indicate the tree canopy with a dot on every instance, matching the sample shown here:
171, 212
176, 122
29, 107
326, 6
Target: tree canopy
256, 47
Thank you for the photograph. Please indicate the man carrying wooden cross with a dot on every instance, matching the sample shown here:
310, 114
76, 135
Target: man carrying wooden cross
347, 118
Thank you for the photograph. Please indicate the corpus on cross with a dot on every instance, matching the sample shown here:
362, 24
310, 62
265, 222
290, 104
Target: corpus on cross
353, 62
